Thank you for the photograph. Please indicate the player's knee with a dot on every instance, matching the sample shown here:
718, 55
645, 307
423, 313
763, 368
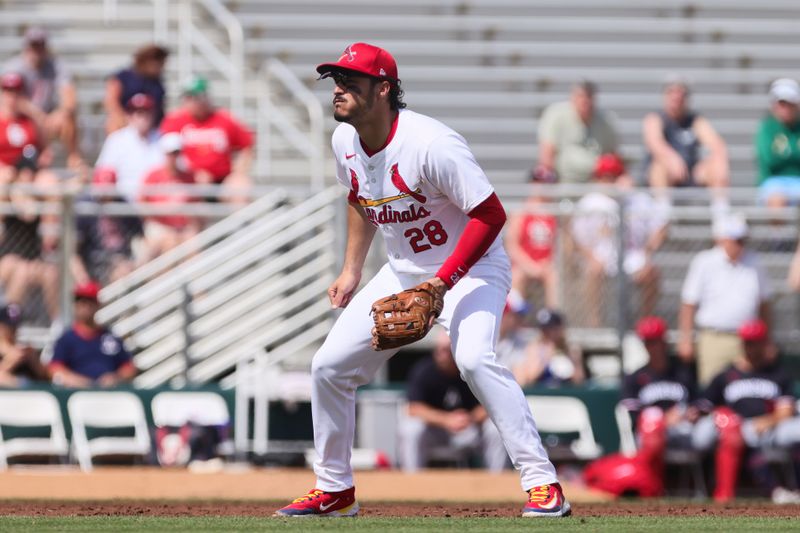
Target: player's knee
473, 362
322, 370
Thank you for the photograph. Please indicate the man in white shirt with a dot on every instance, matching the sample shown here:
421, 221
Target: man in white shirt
132, 152
724, 288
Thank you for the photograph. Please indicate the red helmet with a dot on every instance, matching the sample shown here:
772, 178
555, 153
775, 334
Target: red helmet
754, 330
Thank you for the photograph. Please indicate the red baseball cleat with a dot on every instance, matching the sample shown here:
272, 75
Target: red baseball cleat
320, 503
547, 500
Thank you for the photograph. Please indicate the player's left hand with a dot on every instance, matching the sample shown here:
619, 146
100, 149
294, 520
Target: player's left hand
407, 316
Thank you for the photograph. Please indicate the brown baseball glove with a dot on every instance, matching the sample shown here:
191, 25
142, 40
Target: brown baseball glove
405, 317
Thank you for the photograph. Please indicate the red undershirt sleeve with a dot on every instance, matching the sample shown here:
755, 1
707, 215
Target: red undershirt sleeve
486, 221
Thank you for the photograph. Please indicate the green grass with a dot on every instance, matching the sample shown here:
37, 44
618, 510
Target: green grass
578, 524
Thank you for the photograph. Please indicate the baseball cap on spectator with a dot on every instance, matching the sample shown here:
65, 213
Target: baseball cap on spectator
36, 35
11, 315
365, 59
87, 290
753, 330
104, 176
731, 226
171, 142
549, 319
11, 81
140, 102
197, 86
651, 328
785, 90
609, 165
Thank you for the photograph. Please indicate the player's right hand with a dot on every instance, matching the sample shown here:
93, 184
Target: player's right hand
341, 291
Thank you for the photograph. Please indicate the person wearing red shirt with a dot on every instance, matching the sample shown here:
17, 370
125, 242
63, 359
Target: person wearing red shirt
19, 139
164, 232
530, 243
25, 240
211, 138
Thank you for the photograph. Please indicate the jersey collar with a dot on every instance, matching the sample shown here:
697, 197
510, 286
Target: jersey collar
389, 138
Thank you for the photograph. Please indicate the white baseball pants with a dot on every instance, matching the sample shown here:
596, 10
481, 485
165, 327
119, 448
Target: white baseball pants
471, 316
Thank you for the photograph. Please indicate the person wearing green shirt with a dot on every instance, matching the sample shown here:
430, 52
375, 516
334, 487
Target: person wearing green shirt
778, 146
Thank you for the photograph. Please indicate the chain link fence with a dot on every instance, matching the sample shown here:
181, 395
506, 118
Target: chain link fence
55, 237
618, 254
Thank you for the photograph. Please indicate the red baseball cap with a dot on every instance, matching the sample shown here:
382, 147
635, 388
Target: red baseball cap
12, 81
754, 330
140, 102
104, 176
365, 59
87, 290
651, 328
609, 165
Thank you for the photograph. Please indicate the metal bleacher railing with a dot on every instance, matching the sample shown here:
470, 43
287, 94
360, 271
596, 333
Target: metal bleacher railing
254, 280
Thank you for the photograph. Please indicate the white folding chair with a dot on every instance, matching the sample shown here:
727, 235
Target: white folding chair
106, 410
201, 408
627, 440
565, 414
30, 409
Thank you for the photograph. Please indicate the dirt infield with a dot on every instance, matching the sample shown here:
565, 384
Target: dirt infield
244, 483
245, 491
389, 509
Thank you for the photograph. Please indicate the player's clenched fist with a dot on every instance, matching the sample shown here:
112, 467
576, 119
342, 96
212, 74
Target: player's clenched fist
341, 291
405, 317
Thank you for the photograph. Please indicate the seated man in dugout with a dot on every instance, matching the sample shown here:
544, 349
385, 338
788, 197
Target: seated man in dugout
676, 137
88, 354
443, 412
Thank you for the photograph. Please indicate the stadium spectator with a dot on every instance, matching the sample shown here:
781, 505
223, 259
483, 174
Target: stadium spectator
594, 231
24, 243
530, 242
572, 135
133, 151
164, 232
675, 138
143, 77
753, 407
794, 270
513, 335
724, 288
443, 413
19, 364
217, 148
88, 354
105, 243
777, 146
659, 398
548, 359
50, 96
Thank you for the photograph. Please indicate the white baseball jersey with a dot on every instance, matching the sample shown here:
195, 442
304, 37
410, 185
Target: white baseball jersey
417, 190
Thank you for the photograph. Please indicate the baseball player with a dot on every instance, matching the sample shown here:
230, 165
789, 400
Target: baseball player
415, 181
659, 397
753, 407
